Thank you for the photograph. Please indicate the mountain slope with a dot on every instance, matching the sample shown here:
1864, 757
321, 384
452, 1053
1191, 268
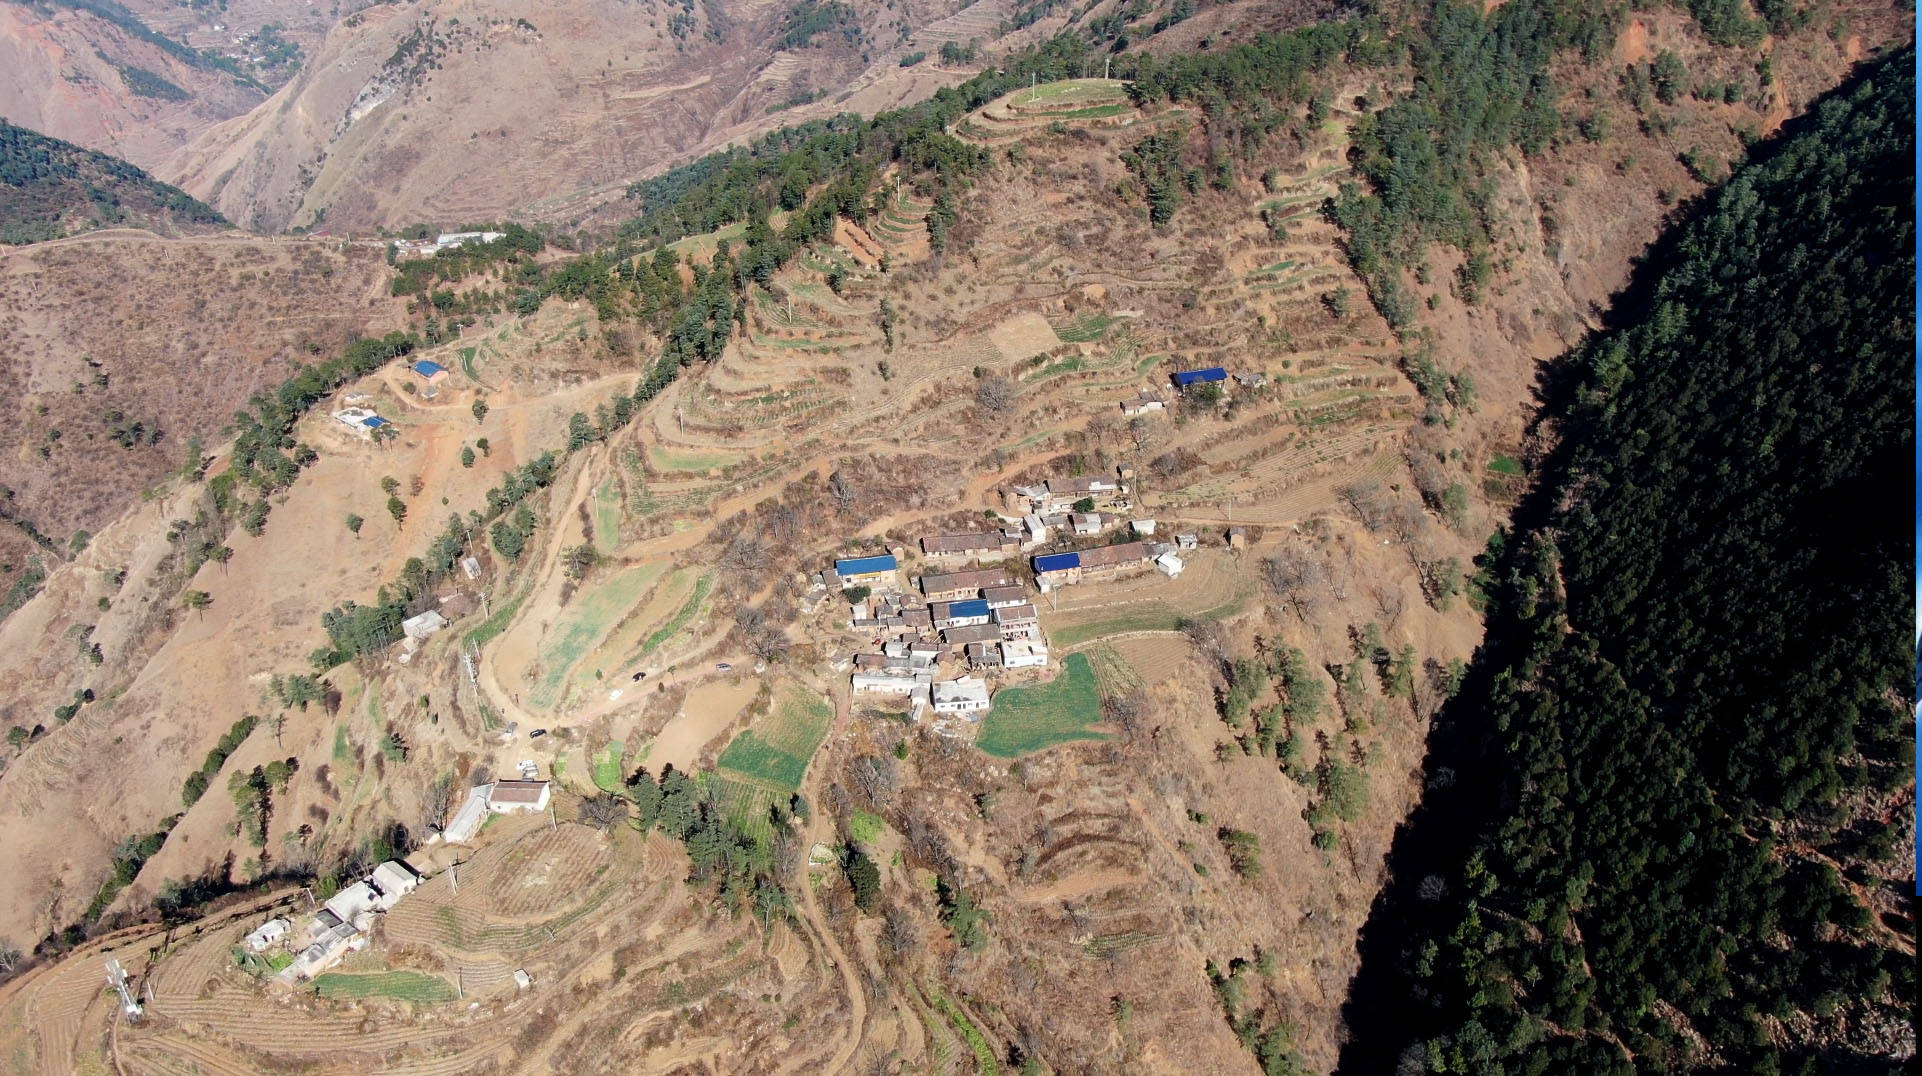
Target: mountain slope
434, 110
94, 74
1694, 694
50, 188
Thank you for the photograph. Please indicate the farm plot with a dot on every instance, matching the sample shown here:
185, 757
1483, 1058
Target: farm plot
775, 751
1024, 720
411, 986
540, 873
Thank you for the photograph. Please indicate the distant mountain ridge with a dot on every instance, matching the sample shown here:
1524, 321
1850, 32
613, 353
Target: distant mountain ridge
50, 189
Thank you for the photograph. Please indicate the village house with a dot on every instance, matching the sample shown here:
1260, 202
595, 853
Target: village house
998, 597
1143, 527
1187, 541
1251, 380
268, 933
394, 879
361, 421
958, 638
1170, 565
1213, 375
982, 545
1064, 569
1023, 654
967, 695
866, 571
882, 684
1016, 621
952, 585
1036, 529
1142, 403
959, 614
512, 797
418, 628
1087, 523
984, 655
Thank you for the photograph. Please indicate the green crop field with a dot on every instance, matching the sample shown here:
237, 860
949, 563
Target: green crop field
607, 768
664, 459
1097, 112
496, 623
1024, 720
681, 619
1086, 328
402, 985
776, 750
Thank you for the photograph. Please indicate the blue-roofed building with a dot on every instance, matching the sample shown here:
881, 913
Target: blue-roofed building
865, 571
1209, 376
430, 370
959, 614
1056, 570
373, 422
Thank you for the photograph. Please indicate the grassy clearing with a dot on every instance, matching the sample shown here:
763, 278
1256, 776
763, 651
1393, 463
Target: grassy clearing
866, 826
467, 362
1068, 91
1029, 719
1507, 465
1056, 369
401, 985
597, 610
607, 514
775, 752
1153, 618
607, 767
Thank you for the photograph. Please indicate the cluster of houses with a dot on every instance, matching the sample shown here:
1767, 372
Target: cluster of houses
336, 928
981, 618
424, 248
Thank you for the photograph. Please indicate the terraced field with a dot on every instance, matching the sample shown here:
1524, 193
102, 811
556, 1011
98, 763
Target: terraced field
1024, 720
774, 751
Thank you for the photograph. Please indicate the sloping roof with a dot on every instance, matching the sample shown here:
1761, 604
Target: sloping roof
865, 565
969, 580
1193, 377
973, 633
1057, 562
980, 541
1109, 555
429, 368
517, 791
1002, 594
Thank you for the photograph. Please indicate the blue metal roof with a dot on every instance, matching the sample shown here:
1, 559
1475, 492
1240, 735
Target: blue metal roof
428, 368
865, 565
1057, 562
971, 607
373, 422
1193, 377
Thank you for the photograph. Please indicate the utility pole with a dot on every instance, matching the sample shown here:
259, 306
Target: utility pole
453, 875
1105, 65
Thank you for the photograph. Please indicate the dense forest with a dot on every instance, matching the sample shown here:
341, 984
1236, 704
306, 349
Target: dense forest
1666, 808
50, 189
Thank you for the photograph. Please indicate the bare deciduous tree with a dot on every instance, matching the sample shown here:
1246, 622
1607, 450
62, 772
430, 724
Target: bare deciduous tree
603, 811
996, 393
1299, 578
1367, 500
